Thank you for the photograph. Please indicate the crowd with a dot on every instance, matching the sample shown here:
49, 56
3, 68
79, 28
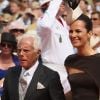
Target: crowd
49, 49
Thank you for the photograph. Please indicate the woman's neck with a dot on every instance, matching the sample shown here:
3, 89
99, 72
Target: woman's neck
86, 51
6, 62
5, 57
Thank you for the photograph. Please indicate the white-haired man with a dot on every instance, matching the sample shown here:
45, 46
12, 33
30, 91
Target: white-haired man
31, 80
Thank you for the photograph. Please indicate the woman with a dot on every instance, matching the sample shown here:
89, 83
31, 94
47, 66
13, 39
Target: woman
84, 67
7, 58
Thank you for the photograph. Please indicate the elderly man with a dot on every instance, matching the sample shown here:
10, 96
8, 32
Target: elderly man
31, 80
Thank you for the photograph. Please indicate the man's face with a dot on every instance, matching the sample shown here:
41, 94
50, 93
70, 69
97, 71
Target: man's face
27, 54
62, 8
95, 19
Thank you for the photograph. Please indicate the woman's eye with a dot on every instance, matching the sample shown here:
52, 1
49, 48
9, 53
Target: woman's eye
26, 50
78, 31
70, 31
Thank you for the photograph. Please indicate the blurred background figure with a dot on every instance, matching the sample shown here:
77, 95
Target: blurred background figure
6, 18
67, 15
16, 28
95, 39
36, 13
15, 9
24, 5
97, 5
3, 5
7, 58
36, 9
27, 18
85, 7
4, 22
95, 17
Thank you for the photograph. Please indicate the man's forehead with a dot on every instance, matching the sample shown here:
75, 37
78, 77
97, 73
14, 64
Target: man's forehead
28, 41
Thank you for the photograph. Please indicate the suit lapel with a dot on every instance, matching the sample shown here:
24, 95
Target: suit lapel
33, 84
15, 80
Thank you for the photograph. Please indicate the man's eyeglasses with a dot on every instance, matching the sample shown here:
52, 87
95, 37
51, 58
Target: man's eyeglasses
7, 45
17, 30
94, 19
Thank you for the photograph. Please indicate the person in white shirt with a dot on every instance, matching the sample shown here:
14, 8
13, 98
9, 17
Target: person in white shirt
54, 32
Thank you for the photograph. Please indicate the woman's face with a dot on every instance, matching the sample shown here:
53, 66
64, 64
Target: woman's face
6, 48
78, 34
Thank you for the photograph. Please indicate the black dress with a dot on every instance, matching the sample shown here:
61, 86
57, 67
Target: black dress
84, 86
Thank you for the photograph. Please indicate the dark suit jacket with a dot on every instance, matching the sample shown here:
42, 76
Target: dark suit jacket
50, 79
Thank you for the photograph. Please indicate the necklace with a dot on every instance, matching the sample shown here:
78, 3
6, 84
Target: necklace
60, 39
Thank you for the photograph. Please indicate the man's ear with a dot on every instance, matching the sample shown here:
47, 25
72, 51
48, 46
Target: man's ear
39, 52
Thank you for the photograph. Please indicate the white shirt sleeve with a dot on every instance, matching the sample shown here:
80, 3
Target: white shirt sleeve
49, 16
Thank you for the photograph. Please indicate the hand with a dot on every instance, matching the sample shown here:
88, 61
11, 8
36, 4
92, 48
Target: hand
1, 82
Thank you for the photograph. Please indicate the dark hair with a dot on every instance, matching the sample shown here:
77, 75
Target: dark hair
87, 21
10, 38
97, 0
96, 12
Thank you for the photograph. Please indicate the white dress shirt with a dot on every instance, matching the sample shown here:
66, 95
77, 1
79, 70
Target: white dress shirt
27, 75
56, 45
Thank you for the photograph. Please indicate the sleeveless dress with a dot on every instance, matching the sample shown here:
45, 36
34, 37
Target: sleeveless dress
4, 72
86, 85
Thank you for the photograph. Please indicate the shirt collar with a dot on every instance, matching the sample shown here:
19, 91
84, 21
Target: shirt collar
30, 70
